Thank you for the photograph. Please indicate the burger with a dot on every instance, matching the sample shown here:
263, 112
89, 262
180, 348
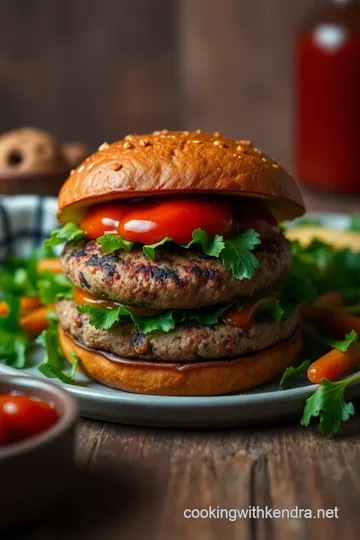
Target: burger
177, 262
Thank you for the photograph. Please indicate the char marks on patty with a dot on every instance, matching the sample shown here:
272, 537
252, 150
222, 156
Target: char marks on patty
175, 279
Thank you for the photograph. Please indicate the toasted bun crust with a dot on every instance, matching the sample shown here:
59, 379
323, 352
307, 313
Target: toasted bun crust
180, 161
201, 379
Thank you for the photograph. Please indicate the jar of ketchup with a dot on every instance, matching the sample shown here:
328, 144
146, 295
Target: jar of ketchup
328, 98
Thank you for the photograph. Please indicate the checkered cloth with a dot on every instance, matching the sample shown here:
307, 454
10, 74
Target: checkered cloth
25, 222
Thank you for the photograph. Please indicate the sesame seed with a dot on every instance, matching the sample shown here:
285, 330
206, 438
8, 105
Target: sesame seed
198, 131
217, 134
239, 148
156, 132
246, 143
72, 172
164, 131
221, 144
195, 141
144, 142
257, 151
275, 165
116, 167
104, 146
81, 168
128, 138
264, 158
128, 145
234, 155
91, 166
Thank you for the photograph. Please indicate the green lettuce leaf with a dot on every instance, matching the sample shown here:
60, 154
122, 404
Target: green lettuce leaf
52, 287
149, 249
67, 233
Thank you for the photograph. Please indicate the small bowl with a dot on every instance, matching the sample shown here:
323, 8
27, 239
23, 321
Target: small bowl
36, 471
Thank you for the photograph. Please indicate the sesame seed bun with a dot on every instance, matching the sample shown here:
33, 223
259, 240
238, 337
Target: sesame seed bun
166, 162
198, 379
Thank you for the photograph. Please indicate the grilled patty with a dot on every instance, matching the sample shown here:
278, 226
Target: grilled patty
175, 279
186, 343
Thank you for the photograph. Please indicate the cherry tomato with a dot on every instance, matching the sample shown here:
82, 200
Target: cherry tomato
245, 317
26, 417
3, 429
253, 214
176, 218
103, 218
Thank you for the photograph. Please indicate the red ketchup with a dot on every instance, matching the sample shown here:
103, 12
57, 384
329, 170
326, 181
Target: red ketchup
22, 417
328, 104
151, 220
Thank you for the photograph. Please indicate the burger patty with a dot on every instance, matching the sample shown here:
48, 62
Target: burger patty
175, 279
186, 343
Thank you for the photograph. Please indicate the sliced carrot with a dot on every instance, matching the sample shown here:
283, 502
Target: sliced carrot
3, 309
49, 264
27, 303
334, 364
332, 298
36, 321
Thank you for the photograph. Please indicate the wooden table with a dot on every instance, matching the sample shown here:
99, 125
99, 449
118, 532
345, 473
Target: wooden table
137, 482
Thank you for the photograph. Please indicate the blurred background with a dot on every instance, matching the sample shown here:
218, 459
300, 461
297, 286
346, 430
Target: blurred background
92, 71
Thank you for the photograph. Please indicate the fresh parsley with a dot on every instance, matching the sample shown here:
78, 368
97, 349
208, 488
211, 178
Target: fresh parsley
54, 362
237, 254
343, 345
329, 405
210, 246
112, 242
52, 287
293, 372
67, 233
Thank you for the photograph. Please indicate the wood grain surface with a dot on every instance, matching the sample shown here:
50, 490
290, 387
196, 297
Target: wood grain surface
136, 483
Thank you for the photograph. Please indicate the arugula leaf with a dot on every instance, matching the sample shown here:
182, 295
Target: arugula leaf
52, 287
354, 224
112, 242
103, 318
343, 345
210, 246
13, 340
67, 233
149, 249
53, 364
292, 372
328, 403
237, 254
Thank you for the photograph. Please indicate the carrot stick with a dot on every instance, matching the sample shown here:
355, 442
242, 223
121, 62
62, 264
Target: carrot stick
330, 299
334, 364
340, 323
27, 303
36, 321
49, 264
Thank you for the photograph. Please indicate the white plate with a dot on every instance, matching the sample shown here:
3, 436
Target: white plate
263, 404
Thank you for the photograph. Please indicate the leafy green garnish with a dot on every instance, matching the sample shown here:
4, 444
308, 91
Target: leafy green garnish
293, 372
103, 318
112, 242
343, 345
13, 340
236, 251
270, 310
52, 287
67, 233
354, 224
237, 254
54, 362
328, 403
210, 246
149, 249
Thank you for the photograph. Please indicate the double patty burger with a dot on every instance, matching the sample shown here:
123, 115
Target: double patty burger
177, 264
